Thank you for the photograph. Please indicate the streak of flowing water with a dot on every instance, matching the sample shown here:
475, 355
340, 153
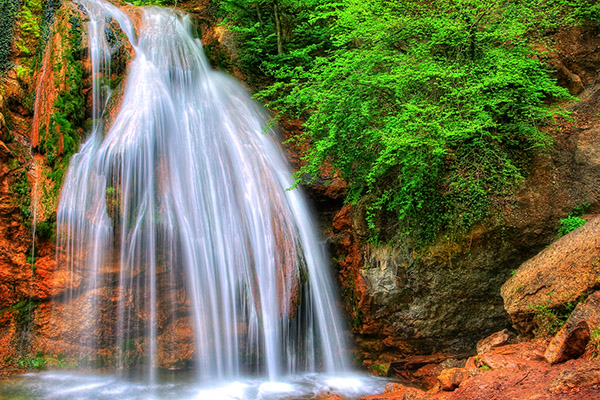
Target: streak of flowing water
179, 214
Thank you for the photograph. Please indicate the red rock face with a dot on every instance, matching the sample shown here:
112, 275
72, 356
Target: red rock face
27, 271
563, 273
404, 301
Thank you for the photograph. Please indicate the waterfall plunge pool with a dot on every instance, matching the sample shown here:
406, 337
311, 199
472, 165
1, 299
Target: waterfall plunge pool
182, 386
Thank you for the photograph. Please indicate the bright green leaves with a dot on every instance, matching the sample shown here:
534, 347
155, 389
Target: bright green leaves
430, 110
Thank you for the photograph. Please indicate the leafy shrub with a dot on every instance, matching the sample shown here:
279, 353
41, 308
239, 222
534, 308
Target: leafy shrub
550, 320
430, 110
570, 224
8, 9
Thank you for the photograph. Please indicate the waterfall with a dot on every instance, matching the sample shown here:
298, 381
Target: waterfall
177, 218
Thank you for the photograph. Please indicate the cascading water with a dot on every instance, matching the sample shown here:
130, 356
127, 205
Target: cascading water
181, 240
187, 189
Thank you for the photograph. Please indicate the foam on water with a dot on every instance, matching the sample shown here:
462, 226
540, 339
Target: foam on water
68, 386
178, 216
179, 211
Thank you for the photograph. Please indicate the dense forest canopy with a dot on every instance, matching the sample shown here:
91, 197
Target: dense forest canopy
429, 109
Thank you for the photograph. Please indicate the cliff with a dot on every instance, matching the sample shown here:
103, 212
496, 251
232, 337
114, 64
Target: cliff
401, 300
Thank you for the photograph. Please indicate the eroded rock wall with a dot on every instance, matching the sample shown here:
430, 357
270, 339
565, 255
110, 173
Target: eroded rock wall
403, 300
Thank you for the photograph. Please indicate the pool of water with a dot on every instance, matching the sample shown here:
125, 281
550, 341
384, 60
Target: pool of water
74, 386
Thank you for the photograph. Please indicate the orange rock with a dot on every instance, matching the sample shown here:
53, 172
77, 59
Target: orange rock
334, 397
401, 392
451, 378
560, 274
394, 387
577, 379
427, 376
571, 340
495, 340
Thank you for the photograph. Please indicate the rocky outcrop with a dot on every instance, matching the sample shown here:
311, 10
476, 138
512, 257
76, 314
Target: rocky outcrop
573, 338
515, 371
404, 299
567, 271
30, 174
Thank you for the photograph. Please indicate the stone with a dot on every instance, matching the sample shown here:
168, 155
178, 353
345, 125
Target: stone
562, 273
400, 392
406, 368
497, 339
427, 376
394, 387
576, 379
451, 378
572, 339
334, 397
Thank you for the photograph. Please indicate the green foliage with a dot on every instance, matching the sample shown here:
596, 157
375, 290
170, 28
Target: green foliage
549, 320
569, 224
276, 38
30, 19
37, 362
429, 110
580, 210
573, 220
8, 10
593, 346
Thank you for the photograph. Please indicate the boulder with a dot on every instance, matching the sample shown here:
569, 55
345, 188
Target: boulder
564, 272
451, 378
585, 376
497, 339
572, 339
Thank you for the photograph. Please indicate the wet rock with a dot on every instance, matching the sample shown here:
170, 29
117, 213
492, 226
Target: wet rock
416, 362
497, 339
427, 376
562, 273
399, 392
572, 339
394, 387
334, 397
579, 55
4, 151
451, 378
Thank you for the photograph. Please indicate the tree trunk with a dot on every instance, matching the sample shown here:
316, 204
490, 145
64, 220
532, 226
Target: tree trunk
278, 28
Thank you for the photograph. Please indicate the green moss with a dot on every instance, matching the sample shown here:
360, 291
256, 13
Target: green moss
380, 369
68, 118
29, 24
22, 191
8, 10
23, 313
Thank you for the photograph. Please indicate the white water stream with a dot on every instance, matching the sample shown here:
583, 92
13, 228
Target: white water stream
178, 215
